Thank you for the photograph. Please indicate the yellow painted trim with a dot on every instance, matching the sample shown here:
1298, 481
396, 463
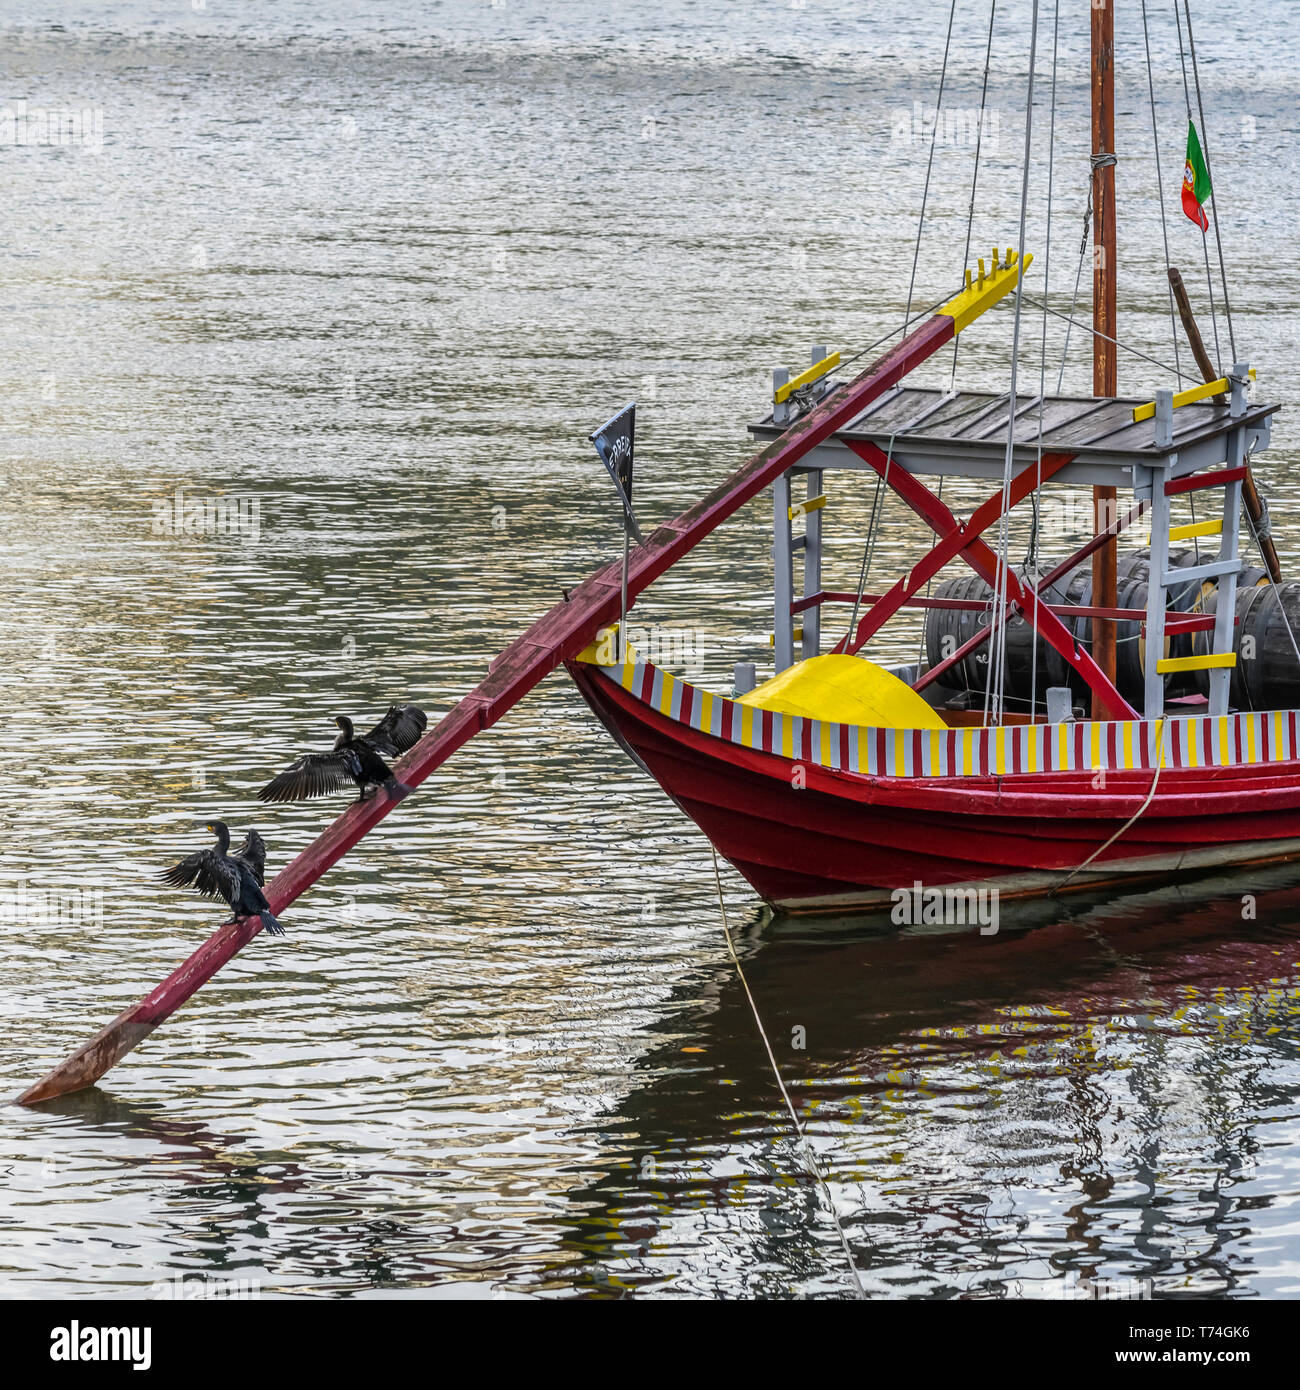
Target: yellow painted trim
797, 383
824, 736
1195, 528
798, 637
1215, 661
983, 293
1193, 393
813, 504
601, 649
999, 746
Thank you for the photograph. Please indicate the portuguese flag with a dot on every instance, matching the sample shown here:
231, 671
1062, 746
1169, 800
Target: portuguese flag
1196, 181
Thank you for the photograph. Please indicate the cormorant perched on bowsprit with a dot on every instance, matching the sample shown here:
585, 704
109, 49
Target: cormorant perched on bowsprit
237, 877
354, 758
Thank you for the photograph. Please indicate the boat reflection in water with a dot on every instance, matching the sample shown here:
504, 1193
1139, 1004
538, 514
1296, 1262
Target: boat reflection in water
1094, 1101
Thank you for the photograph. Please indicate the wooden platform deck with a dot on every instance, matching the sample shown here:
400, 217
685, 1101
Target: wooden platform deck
964, 432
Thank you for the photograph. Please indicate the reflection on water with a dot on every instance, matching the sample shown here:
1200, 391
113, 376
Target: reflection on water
382, 283
1104, 1092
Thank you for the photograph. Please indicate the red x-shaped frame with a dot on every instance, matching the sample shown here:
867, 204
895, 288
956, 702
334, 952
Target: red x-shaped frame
964, 538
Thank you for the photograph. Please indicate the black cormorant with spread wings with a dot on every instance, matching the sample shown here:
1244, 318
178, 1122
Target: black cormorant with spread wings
237, 877
355, 758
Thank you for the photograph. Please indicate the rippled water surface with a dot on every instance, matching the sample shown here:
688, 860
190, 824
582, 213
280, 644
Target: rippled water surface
377, 270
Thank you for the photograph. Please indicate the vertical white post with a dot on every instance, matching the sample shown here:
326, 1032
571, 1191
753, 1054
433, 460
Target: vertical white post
1237, 398
1154, 682
1164, 419
1225, 602
622, 606
812, 568
781, 414
783, 574
1157, 596
812, 551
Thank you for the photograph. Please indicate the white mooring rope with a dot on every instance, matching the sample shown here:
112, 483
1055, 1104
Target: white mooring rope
1132, 820
785, 1095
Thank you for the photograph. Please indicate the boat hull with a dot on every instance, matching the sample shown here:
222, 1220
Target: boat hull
811, 838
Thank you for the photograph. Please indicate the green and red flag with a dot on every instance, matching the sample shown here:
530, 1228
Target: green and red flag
1196, 181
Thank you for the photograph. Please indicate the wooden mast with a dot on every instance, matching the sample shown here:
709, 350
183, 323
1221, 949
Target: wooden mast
1105, 375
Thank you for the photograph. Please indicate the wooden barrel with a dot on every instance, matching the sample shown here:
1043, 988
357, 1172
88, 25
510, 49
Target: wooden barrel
1187, 597
1132, 572
1267, 673
948, 629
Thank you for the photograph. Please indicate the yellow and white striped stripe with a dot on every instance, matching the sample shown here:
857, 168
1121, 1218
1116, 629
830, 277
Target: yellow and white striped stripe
1085, 746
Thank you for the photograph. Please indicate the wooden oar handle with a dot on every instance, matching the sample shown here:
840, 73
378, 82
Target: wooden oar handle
1207, 368
1249, 489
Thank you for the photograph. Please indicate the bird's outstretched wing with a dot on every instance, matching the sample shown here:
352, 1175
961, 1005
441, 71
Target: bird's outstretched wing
253, 853
315, 774
398, 730
208, 871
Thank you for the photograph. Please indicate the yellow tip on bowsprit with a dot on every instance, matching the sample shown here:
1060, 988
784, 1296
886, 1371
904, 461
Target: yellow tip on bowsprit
991, 286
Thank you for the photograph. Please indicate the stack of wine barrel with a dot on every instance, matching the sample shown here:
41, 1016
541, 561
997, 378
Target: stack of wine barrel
1267, 674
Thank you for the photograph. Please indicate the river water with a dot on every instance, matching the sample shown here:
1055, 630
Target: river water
371, 273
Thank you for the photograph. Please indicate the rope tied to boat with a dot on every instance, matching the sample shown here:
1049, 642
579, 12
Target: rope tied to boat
1132, 820
807, 396
799, 1130
1074, 299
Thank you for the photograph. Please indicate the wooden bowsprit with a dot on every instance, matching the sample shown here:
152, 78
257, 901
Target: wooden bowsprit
554, 639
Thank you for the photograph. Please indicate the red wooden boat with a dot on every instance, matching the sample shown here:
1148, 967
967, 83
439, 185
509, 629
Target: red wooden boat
825, 810
1028, 754
822, 811
825, 817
